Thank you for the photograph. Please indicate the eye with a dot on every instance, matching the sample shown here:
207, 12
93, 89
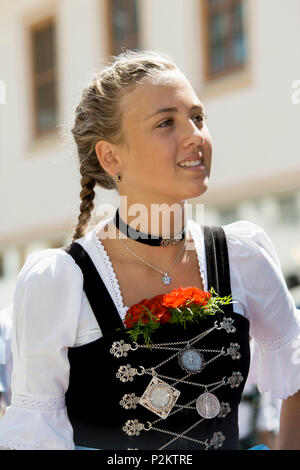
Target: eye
201, 117
165, 123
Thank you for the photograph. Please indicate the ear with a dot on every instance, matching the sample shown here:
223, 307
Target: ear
107, 157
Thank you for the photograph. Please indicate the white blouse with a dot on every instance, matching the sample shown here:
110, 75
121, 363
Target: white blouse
51, 313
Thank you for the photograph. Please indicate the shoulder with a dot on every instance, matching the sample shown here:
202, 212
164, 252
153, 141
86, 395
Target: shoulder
247, 240
244, 232
48, 298
52, 265
49, 281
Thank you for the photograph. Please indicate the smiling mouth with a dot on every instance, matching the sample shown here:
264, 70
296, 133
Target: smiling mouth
191, 163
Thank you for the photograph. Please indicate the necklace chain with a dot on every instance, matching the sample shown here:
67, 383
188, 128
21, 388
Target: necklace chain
149, 264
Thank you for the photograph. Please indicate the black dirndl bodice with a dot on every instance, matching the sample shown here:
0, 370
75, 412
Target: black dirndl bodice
109, 376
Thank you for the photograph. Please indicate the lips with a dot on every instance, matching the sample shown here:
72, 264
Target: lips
194, 156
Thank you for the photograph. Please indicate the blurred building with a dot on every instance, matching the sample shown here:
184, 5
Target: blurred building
242, 58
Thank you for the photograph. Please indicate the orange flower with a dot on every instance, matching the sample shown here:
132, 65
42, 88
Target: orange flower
179, 297
161, 312
160, 304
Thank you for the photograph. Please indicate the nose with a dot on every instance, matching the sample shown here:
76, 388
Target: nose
193, 134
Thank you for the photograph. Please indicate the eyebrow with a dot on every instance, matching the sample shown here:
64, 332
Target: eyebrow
173, 110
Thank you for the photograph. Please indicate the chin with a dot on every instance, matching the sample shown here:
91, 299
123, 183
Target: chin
197, 191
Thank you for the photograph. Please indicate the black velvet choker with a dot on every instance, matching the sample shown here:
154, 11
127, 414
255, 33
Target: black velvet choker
145, 238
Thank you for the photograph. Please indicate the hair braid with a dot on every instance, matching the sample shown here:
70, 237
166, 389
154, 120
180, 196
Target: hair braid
87, 195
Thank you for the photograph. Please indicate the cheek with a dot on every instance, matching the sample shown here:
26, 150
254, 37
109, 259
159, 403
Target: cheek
159, 153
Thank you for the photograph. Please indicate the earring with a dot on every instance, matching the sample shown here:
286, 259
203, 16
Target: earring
118, 177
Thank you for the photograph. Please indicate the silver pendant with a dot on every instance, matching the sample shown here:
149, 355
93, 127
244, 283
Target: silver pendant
227, 325
217, 440
159, 397
233, 351
126, 373
120, 348
208, 405
191, 360
166, 280
129, 401
235, 380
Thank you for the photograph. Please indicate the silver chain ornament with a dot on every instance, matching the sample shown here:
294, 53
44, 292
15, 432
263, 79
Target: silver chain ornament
160, 397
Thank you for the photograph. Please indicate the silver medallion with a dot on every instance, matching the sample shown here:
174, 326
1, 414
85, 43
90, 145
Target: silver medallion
159, 397
208, 405
191, 360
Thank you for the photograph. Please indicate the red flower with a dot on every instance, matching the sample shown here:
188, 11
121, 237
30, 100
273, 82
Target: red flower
179, 297
160, 304
161, 312
138, 312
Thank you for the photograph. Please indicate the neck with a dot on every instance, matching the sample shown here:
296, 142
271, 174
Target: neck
157, 220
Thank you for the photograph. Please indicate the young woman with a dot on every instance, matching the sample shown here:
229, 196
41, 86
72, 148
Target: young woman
78, 379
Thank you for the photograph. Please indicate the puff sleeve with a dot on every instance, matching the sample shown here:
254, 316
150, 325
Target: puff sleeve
46, 309
270, 308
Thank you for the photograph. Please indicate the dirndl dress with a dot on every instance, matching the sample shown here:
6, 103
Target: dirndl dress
183, 393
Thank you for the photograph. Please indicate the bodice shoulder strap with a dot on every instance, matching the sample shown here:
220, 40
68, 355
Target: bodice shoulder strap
217, 262
98, 296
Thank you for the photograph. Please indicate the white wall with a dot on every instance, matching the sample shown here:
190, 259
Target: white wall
255, 126
40, 179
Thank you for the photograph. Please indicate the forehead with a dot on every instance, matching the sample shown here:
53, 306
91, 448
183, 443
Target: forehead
164, 89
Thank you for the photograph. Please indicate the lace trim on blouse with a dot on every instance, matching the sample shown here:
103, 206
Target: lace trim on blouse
22, 444
273, 344
38, 403
111, 273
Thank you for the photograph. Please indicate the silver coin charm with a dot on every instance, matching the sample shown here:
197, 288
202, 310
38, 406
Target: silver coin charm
191, 360
208, 405
159, 397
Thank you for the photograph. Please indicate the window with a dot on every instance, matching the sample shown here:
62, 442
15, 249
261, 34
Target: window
225, 44
123, 23
44, 76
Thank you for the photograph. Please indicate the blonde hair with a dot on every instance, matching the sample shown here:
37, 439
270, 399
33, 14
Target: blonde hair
99, 116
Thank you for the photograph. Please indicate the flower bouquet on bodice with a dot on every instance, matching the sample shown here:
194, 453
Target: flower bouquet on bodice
181, 306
